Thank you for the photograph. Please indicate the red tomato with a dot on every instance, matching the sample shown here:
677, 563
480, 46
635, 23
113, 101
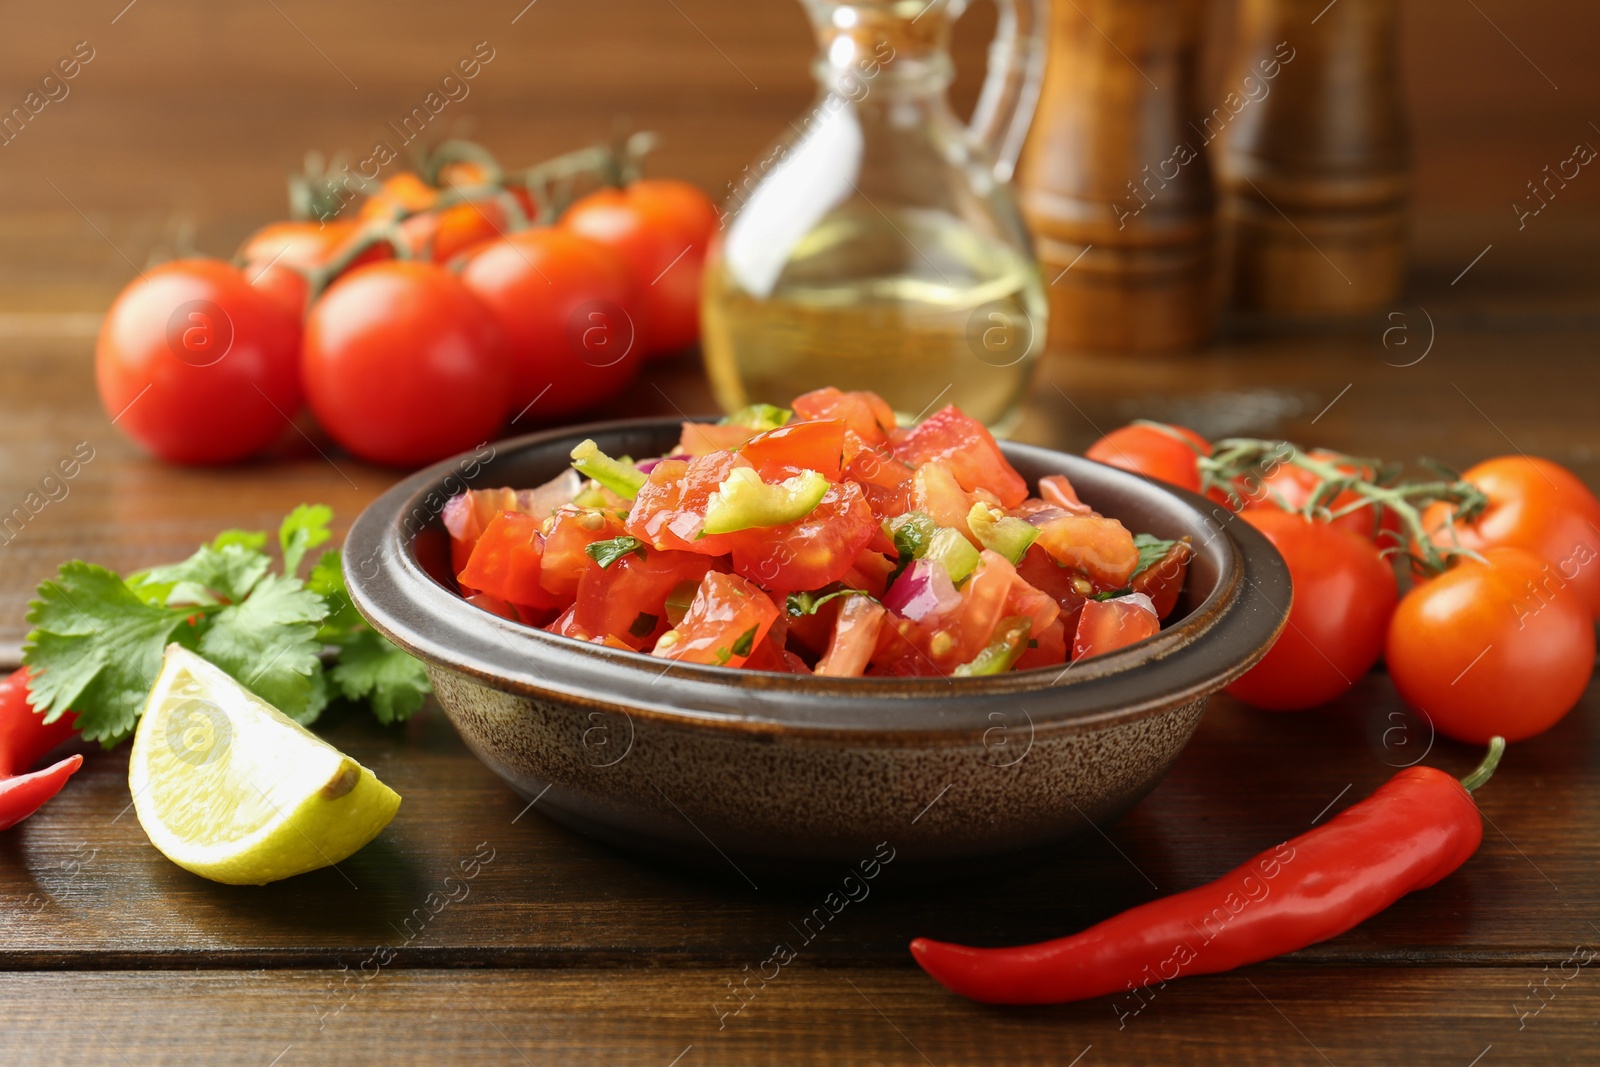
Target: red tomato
886, 481
703, 438
671, 507
934, 490
1099, 548
1161, 451
1058, 492
962, 443
24, 736
866, 414
778, 454
467, 515
1536, 505
196, 365
287, 286
812, 552
1162, 581
402, 194
726, 621
306, 246
1107, 625
573, 530
507, 561
1490, 648
855, 636
628, 598
568, 308
442, 234
403, 365
1289, 487
984, 597
1069, 588
661, 228
1048, 648
1344, 594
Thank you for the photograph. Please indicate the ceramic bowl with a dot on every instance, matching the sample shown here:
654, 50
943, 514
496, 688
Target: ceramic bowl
698, 762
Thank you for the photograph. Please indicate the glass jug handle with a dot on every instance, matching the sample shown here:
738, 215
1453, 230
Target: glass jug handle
1011, 88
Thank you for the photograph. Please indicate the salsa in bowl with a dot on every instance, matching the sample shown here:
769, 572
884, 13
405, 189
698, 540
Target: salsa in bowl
701, 759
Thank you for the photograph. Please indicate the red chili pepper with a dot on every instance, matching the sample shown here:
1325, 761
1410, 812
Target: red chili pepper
24, 737
1418, 827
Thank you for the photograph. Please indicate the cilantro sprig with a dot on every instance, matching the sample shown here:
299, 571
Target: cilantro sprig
97, 639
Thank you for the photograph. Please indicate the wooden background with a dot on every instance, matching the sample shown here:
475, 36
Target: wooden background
181, 130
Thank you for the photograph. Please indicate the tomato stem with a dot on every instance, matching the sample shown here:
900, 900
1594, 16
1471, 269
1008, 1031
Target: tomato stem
1491, 760
1250, 459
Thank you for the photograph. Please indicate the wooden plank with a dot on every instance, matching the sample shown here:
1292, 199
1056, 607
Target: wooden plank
81, 887
810, 1013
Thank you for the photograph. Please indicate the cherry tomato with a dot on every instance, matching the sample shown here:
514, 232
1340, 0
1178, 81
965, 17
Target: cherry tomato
441, 234
661, 228
307, 246
403, 365
403, 194
1536, 505
1288, 487
287, 286
569, 308
196, 365
1490, 648
1168, 453
1344, 594
964, 445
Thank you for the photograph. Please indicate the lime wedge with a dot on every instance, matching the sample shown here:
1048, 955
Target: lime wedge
229, 787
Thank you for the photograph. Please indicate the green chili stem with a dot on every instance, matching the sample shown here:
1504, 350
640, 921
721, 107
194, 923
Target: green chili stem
1491, 760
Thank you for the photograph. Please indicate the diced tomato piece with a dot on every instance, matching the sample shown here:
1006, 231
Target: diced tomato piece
963, 444
704, 438
1068, 587
1048, 648
467, 515
1162, 581
725, 623
983, 605
870, 572
934, 490
812, 552
671, 507
506, 562
900, 652
1102, 549
573, 530
1023, 599
566, 625
854, 639
627, 600
1107, 625
778, 454
812, 632
493, 605
1058, 492
868, 414
885, 480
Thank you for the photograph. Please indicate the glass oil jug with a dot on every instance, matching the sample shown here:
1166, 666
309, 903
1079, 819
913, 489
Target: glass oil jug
877, 245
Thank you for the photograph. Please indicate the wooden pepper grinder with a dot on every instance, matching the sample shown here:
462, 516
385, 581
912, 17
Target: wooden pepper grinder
1315, 176
1115, 182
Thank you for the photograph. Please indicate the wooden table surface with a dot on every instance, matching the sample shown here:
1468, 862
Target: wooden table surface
564, 951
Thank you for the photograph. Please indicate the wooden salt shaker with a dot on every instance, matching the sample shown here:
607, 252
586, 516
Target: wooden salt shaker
1315, 176
1115, 182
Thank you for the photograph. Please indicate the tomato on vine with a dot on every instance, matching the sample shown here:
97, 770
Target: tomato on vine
661, 228
403, 365
1492, 646
1344, 594
196, 365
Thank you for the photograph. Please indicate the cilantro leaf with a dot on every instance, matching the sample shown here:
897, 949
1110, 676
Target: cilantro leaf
327, 581
269, 642
209, 577
303, 529
744, 642
96, 648
807, 603
606, 553
1151, 549
373, 669
255, 539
